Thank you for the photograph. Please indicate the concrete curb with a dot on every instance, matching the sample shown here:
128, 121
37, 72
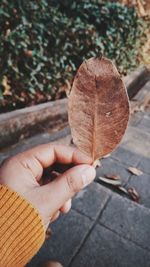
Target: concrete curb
32, 120
136, 80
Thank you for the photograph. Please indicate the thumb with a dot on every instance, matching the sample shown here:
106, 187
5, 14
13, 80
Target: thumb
66, 186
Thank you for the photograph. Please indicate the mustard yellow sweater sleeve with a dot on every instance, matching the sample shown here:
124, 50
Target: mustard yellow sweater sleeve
21, 229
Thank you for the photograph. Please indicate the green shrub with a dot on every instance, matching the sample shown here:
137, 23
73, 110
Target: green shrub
43, 42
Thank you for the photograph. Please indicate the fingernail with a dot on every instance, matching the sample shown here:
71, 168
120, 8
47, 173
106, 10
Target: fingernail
88, 175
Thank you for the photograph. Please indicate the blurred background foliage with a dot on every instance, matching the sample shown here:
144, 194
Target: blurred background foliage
42, 43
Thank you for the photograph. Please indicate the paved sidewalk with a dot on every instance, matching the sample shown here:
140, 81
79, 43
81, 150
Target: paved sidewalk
105, 228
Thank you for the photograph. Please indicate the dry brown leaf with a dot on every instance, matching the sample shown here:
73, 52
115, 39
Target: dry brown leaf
112, 176
134, 194
28, 53
7, 87
135, 171
110, 181
141, 8
123, 189
98, 108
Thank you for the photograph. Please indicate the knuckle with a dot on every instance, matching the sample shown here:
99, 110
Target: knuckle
7, 167
7, 162
74, 184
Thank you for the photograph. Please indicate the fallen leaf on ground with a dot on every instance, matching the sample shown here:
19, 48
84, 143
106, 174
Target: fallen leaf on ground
130, 192
112, 176
123, 189
110, 181
134, 194
135, 171
98, 107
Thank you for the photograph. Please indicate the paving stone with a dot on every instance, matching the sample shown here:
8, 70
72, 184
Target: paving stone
68, 234
126, 156
103, 248
144, 165
128, 220
91, 200
144, 124
137, 141
113, 167
141, 184
135, 118
147, 112
136, 80
140, 96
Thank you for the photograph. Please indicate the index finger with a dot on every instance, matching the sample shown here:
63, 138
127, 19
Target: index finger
48, 154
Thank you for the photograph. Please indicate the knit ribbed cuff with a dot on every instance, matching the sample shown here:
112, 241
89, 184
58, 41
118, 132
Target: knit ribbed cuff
21, 229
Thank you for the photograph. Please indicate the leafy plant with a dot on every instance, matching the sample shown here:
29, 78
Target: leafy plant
43, 42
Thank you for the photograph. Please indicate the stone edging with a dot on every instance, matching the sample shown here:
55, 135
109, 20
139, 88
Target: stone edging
32, 120
136, 80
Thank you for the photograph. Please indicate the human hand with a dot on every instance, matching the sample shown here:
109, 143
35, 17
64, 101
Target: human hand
23, 173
